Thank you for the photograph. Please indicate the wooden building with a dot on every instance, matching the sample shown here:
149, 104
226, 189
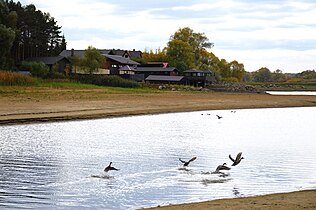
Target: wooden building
199, 78
60, 62
165, 79
164, 71
116, 62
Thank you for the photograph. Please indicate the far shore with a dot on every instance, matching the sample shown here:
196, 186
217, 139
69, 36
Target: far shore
47, 105
30, 105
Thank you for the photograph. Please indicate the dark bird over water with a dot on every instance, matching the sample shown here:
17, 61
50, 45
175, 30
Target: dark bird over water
222, 167
110, 168
219, 117
237, 160
186, 163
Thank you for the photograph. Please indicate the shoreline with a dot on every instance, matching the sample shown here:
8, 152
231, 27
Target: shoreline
20, 109
296, 200
78, 115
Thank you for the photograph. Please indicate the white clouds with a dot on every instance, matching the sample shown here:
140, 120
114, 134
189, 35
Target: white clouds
285, 60
76, 8
276, 34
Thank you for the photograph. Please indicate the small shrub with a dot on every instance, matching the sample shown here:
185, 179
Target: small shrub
105, 80
57, 75
230, 79
16, 79
36, 69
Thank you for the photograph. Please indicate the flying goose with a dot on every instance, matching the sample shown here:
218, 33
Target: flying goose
186, 163
222, 167
109, 168
219, 117
237, 160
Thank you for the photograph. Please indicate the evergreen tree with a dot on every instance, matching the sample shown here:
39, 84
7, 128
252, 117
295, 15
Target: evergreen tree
7, 33
38, 34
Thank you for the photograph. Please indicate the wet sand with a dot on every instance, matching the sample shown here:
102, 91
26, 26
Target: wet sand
54, 105
280, 201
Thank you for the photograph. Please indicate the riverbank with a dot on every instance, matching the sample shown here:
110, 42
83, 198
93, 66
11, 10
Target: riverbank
281, 201
27, 105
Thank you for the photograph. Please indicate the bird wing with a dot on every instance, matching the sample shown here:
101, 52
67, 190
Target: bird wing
230, 157
192, 159
182, 161
238, 157
225, 168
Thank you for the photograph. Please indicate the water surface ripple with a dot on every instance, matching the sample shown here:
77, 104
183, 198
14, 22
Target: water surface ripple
60, 165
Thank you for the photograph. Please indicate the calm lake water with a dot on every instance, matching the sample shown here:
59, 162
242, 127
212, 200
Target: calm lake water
60, 165
297, 93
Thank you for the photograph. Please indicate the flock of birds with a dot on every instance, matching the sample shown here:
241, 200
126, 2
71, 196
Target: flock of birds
219, 168
218, 116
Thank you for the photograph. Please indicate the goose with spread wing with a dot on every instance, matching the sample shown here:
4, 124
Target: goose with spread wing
219, 117
237, 160
222, 167
186, 163
110, 168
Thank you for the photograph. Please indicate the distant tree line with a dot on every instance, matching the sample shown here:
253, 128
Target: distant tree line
265, 75
27, 32
187, 49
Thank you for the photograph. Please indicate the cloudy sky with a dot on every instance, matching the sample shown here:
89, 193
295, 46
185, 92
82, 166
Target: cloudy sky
277, 34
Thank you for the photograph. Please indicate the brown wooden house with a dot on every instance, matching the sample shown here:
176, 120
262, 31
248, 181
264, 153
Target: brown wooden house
199, 78
115, 60
115, 64
165, 79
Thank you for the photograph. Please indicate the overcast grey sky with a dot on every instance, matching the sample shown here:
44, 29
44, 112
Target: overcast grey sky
277, 34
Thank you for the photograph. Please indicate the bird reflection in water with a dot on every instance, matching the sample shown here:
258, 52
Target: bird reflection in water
236, 192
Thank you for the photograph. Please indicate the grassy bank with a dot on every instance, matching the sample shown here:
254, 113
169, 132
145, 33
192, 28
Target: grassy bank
47, 100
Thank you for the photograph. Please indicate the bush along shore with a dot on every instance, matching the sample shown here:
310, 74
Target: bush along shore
216, 87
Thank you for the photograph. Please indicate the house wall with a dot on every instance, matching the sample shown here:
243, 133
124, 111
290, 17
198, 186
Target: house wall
81, 70
62, 65
197, 81
134, 77
126, 72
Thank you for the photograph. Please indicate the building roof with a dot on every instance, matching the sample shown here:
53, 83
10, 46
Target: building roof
159, 69
197, 71
164, 78
47, 60
132, 53
121, 59
80, 53
135, 53
127, 68
156, 64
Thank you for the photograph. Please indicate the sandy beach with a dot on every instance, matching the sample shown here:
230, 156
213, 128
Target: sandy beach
48, 104
280, 201
29, 105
